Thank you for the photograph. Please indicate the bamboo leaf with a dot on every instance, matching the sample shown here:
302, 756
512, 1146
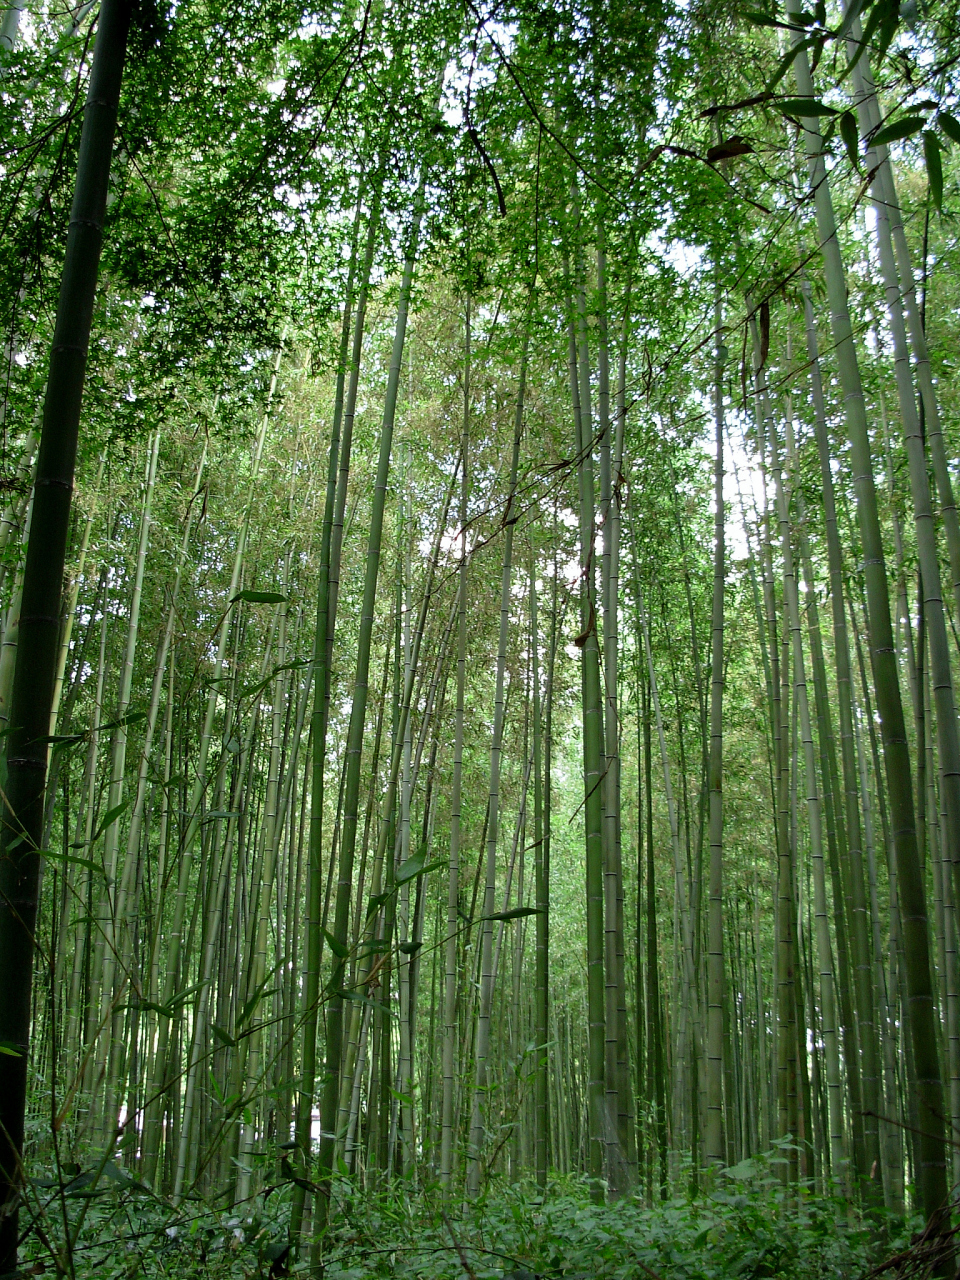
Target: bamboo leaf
410, 869
735, 146
903, 128
248, 1009
259, 597
217, 1091
167, 1010
949, 125
414, 867
111, 817
931, 153
132, 717
72, 857
876, 17
888, 29
164, 1010
374, 947
251, 690
354, 997
115, 1174
181, 998
438, 865
83, 1186
759, 19
174, 1005
516, 914
224, 1037
851, 138
743, 103
786, 62
376, 902
853, 12
805, 107
336, 946
9, 1049
65, 739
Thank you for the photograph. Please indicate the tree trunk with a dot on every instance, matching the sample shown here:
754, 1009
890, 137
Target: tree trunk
35, 673
714, 1145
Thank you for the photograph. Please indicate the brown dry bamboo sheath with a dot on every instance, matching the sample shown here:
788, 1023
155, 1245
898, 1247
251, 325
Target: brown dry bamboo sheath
36, 667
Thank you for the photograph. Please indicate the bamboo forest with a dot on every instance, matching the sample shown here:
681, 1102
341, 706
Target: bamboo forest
480, 639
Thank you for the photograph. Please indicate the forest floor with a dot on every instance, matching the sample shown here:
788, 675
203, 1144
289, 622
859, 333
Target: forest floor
515, 1233
743, 1227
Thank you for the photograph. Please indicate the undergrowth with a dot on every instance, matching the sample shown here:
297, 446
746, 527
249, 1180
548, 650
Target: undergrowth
744, 1227
737, 1230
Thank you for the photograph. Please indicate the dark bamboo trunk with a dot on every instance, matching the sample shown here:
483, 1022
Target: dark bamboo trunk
35, 673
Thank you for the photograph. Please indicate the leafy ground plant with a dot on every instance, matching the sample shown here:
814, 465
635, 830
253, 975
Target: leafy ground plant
105, 1224
101, 1222
744, 1227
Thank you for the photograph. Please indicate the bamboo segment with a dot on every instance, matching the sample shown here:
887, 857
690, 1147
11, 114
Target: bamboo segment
112, 943
828, 1002
354, 748
453, 874
714, 1142
482, 1042
35, 672
927, 1083
338, 472
161, 1072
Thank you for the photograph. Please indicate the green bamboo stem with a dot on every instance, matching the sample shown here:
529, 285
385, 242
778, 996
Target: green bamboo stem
714, 1139
475, 1149
403, 925
833, 813
272, 834
864, 1083
901, 291
603, 1147
11, 635
111, 1049
70, 605
948, 736
689, 1026
621, 1156
828, 1001
35, 671
788, 998
927, 1082
338, 472
159, 1073
456, 797
355, 733
541, 1015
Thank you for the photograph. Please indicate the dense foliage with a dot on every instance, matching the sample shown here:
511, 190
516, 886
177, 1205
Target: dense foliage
501, 802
